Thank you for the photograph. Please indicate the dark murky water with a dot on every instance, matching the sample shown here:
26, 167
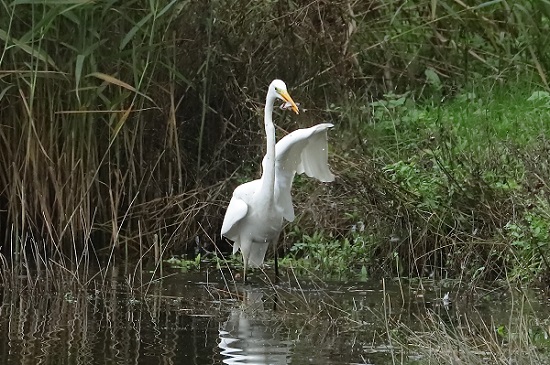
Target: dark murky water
199, 319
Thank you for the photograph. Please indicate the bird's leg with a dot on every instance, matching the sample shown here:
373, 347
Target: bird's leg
275, 301
245, 266
276, 262
276, 257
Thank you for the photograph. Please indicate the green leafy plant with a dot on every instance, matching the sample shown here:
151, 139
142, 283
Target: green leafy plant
185, 264
530, 240
329, 257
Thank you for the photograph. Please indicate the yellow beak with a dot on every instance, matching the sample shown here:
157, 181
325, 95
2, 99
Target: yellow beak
286, 97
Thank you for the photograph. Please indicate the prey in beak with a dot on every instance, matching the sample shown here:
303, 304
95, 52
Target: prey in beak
289, 103
287, 106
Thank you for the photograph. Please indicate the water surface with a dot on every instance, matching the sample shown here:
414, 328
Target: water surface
204, 318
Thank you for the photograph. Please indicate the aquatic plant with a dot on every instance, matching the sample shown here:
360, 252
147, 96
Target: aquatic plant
474, 337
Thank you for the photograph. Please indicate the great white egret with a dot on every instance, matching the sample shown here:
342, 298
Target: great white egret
254, 217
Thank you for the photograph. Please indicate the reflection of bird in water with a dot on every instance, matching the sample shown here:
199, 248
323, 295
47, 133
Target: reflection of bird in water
247, 339
254, 217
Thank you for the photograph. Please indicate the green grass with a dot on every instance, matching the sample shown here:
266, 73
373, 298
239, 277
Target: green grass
453, 188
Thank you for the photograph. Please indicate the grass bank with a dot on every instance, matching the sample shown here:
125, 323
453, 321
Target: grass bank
429, 188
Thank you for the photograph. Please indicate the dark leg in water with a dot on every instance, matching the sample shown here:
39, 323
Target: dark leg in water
245, 266
275, 255
276, 264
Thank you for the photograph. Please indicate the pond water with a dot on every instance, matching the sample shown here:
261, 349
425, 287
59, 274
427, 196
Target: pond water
203, 318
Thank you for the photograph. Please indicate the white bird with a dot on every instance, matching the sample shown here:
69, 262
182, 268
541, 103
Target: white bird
254, 217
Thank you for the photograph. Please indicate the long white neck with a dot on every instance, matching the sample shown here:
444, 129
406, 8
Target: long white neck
268, 175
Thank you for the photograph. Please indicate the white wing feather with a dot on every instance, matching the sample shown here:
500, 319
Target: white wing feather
236, 210
302, 151
314, 161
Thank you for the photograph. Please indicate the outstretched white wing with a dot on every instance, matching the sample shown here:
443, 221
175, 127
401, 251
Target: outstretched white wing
305, 150
302, 151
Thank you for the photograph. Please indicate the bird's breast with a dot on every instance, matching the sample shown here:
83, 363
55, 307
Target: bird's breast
264, 225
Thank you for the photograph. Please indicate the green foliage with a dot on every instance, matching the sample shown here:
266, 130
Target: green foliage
530, 241
323, 255
457, 178
534, 334
185, 264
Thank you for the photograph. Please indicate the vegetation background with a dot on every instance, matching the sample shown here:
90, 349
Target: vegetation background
125, 126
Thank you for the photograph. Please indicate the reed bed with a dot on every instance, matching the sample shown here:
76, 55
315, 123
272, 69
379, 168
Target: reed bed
477, 336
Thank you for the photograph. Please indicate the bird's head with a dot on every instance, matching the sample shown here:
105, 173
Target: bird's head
278, 88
